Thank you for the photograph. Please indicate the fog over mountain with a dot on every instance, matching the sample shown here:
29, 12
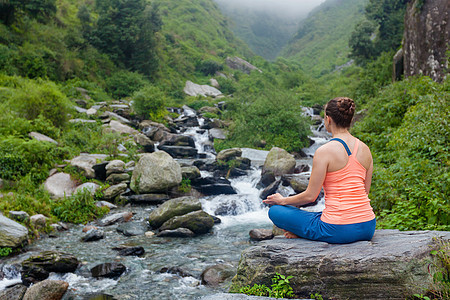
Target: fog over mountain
286, 8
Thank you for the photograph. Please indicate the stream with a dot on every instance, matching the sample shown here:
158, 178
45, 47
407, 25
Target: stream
143, 278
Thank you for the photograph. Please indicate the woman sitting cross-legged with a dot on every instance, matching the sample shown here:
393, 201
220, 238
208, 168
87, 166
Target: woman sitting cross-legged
343, 167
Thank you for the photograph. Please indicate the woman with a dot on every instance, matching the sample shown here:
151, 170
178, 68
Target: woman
344, 168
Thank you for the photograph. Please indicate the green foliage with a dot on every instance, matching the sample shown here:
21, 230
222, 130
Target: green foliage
280, 288
408, 132
149, 102
321, 42
79, 208
125, 30
5, 251
441, 270
33, 98
209, 67
385, 18
124, 84
316, 296
185, 185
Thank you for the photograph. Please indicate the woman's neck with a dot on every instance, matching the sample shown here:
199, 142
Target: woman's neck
340, 132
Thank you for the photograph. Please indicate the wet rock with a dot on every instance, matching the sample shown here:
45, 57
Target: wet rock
198, 222
271, 189
47, 290
148, 198
172, 208
279, 162
267, 179
132, 229
60, 185
299, 182
178, 140
179, 151
93, 235
301, 168
179, 232
216, 189
229, 154
130, 251
108, 270
190, 172
370, 269
214, 275
176, 270
115, 218
261, 234
37, 268
40, 137
12, 234
155, 172
228, 208
19, 216
15, 292
236, 172
114, 191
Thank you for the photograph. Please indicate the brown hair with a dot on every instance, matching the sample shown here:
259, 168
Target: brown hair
341, 110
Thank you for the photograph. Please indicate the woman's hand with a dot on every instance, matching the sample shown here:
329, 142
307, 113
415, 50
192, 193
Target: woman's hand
275, 199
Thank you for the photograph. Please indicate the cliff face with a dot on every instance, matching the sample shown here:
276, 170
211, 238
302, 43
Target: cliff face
426, 38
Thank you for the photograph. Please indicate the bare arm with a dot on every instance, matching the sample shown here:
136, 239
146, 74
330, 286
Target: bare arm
368, 180
318, 173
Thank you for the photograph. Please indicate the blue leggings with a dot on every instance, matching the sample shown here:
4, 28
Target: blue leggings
309, 226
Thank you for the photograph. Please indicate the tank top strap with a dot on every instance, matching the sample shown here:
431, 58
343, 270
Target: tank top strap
343, 143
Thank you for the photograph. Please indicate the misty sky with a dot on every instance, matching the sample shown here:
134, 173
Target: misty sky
290, 8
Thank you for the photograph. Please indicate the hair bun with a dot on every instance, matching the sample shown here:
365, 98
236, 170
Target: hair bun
346, 106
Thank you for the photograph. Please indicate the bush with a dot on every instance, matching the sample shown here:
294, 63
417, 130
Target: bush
149, 102
124, 84
209, 67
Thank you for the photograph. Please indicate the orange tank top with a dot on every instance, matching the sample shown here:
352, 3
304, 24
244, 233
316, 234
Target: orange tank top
346, 201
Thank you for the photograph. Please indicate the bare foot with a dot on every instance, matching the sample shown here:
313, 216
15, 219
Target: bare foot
290, 235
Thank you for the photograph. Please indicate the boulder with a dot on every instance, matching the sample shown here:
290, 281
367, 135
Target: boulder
271, 189
216, 274
299, 182
178, 140
12, 234
261, 234
91, 187
216, 133
130, 251
179, 232
237, 63
85, 163
118, 178
216, 189
115, 166
19, 216
190, 172
47, 290
229, 154
148, 198
115, 218
186, 121
108, 270
198, 222
172, 208
179, 151
38, 220
132, 229
155, 172
105, 203
114, 191
38, 267
92, 235
279, 162
393, 265
145, 142
60, 185
195, 90
15, 292
115, 126
117, 117
41, 137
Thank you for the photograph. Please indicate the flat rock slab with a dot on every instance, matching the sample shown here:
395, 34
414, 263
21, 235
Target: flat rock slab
393, 265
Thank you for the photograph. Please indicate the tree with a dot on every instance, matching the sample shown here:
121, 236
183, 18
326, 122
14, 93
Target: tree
125, 30
11, 10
